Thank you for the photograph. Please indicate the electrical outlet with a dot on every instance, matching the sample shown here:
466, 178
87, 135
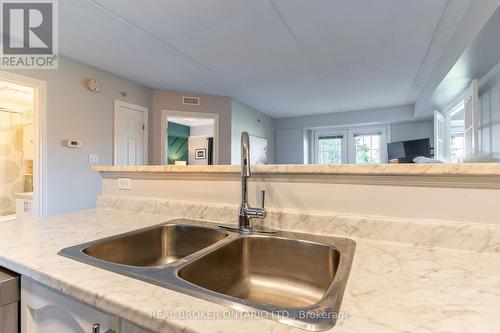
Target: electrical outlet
27, 206
93, 159
124, 183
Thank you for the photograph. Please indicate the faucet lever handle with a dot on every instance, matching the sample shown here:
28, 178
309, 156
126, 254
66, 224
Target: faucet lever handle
262, 198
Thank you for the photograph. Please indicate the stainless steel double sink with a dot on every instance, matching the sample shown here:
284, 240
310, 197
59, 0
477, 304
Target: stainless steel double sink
296, 279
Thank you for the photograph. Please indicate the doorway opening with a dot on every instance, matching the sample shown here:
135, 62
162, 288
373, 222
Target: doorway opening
190, 138
190, 141
22, 147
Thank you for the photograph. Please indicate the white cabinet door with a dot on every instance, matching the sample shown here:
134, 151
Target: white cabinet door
46, 311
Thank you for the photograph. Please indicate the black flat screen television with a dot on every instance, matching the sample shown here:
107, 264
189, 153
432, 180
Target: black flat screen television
407, 150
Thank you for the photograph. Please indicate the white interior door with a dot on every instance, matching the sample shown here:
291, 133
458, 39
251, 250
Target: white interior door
130, 134
471, 119
439, 136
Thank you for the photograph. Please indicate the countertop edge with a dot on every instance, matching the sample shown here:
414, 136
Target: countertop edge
469, 169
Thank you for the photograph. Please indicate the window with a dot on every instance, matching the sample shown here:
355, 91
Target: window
330, 149
457, 147
456, 128
465, 121
368, 148
360, 145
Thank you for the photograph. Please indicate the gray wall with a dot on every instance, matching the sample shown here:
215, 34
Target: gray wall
172, 101
75, 112
290, 146
412, 131
256, 123
291, 143
363, 117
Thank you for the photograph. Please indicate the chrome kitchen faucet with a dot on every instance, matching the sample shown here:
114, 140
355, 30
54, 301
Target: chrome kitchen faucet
246, 213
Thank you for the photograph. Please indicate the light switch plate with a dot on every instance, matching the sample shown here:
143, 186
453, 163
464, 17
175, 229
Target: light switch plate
124, 183
93, 159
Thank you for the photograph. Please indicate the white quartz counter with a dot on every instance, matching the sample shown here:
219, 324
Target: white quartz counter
441, 169
393, 287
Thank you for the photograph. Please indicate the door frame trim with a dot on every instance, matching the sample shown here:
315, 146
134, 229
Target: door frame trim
188, 114
118, 104
40, 183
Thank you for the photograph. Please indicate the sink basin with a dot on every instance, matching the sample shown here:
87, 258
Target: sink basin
156, 246
298, 278
275, 271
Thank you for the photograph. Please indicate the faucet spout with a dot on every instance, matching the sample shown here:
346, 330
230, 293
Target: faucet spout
245, 155
246, 212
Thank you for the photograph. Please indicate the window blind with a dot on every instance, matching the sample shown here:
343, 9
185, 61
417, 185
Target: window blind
330, 137
367, 134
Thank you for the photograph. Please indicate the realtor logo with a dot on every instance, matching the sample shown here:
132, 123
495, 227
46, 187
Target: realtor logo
29, 34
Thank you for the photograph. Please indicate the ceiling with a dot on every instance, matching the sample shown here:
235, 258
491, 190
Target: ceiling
474, 63
191, 122
16, 97
283, 57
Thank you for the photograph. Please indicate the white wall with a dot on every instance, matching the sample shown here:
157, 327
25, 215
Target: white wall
256, 123
205, 130
412, 131
459, 198
197, 142
75, 112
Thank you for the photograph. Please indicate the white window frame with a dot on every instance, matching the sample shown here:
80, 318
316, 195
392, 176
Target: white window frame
470, 95
333, 132
366, 131
454, 107
460, 105
439, 136
349, 143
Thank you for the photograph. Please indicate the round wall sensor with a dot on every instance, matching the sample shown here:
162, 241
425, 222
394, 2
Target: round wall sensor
93, 85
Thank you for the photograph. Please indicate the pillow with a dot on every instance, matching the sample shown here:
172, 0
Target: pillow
425, 160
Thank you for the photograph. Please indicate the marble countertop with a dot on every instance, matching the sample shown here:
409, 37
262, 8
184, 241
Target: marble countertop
393, 287
469, 169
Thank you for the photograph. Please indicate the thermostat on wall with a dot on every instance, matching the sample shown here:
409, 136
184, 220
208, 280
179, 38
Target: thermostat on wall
73, 143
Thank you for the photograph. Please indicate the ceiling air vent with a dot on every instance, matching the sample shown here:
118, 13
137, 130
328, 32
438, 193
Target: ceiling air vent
190, 100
